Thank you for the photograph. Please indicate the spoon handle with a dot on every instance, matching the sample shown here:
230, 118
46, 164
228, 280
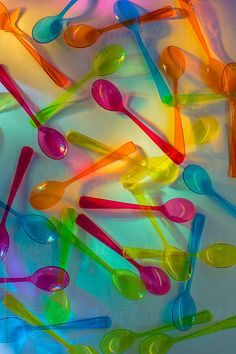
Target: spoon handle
145, 253
14, 280
224, 202
22, 166
67, 8
66, 229
179, 142
88, 323
176, 156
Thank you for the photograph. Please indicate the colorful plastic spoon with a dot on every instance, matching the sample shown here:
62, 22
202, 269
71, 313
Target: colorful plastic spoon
155, 279
52, 143
109, 97
162, 343
48, 28
120, 340
80, 35
47, 278
16, 307
184, 305
126, 10
14, 328
173, 61
22, 166
127, 283
106, 62
49, 193
7, 102
198, 181
176, 210
57, 76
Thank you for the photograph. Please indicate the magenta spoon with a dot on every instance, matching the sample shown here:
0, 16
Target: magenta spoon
155, 279
51, 142
23, 163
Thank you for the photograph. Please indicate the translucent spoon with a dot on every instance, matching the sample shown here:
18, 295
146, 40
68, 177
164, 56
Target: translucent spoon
14, 329
173, 61
127, 283
16, 307
57, 76
184, 305
80, 35
22, 166
155, 279
162, 343
52, 143
126, 10
49, 193
47, 278
120, 340
176, 210
48, 28
106, 62
109, 97
198, 181
7, 102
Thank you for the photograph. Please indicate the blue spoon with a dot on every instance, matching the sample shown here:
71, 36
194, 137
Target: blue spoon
48, 28
14, 328
125, 10
198, 181
184, 305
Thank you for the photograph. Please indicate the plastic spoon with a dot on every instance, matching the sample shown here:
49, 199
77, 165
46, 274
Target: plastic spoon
81, 35
57, 76
106, 62
48, 28
127, 283
184, 305
173, 61
7, 102
198, 181
162, 343
52, 143
21, 168
109, 97
120, 340
49, 193
155, 279
13, 328
16, 307
126, 10
176, 210
47, 278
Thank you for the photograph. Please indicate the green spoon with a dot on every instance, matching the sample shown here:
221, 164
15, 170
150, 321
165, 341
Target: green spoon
119, 340
106, 62
127, 283
7, 102
161, 343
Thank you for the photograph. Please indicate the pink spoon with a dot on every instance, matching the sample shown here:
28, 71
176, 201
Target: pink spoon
109, 97
155, 279
52, 143
23, 163
178, 209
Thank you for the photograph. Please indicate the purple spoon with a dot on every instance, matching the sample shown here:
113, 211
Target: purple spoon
155, 279
47, 278
51, 142
23, 163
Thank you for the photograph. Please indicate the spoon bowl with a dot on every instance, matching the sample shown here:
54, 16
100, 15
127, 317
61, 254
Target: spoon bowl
220, 255
39, 228
81, 349
173, 62
184, 306
81, 36
57, 308
20, 329
108, 60
4, 241
47, 29
117, 341
176, 263
155, 279
197, 179
157, 344
52, 143
107, 95
128, 284
50, 278
46, 194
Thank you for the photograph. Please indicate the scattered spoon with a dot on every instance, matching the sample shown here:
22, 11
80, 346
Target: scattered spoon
48, 28
109, 97
47, 278
198, 181
52, 143
126, 10
184, 305
106, 62
57, 76
155, 279
81, 36
127, 283
57, 307
204, 131
21, 168
49, 193
177, 210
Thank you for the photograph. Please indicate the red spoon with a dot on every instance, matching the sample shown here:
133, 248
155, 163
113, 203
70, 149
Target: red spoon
155, 279
23, 163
